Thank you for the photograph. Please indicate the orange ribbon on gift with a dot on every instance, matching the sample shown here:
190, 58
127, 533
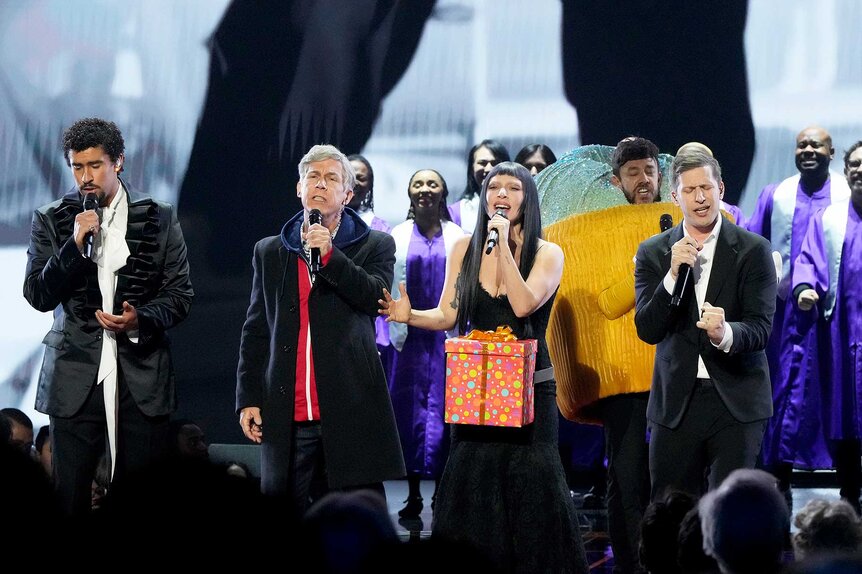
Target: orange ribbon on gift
501, 335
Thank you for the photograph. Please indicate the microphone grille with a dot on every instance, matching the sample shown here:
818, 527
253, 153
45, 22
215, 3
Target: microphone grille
91, 201
665, 222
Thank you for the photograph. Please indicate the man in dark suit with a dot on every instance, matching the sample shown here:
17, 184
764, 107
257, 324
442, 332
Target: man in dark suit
107, 369
710, 394
308, 367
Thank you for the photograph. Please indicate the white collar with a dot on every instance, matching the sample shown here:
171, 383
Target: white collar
713, 235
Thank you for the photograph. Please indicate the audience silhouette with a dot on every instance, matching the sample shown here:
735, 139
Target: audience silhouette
690, 554
826, 526
660, 532
745, 522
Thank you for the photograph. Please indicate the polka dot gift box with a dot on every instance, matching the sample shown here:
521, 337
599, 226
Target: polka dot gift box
489, 379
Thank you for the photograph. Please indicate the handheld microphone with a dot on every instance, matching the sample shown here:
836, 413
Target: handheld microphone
315, 217
682, 279
665, 222
493, 236
91, 203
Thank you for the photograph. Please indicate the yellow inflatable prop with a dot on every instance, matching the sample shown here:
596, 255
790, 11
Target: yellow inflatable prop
591, 336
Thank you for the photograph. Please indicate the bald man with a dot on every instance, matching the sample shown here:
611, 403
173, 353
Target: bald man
794, 436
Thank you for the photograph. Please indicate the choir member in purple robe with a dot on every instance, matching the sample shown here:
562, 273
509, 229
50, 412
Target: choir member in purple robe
480, 159
735, 212
417, 386
362, 203
828, 274
794, 436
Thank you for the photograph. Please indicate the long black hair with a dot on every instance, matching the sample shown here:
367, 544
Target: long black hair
528, 150
467, 285
500, 154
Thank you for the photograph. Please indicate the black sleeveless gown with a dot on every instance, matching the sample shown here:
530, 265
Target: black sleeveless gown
503, 489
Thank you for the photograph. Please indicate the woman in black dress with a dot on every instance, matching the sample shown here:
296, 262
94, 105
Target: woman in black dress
503, 489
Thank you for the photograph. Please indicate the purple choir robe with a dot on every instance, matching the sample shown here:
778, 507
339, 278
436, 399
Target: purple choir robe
840, 325
384, 347
455, 212
794, 434
464, 212
418, 384
738, 216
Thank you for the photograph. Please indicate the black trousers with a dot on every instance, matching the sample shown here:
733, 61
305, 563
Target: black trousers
627, 451
707, 446
79, 441
308, 480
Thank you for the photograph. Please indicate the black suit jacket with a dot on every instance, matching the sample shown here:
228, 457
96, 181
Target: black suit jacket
742, 281
360, 439
155, 280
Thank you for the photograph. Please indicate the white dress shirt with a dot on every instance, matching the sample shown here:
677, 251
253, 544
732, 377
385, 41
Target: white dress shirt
110, 252
701, 272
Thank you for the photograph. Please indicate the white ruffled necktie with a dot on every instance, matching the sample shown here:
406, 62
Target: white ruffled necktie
111, 253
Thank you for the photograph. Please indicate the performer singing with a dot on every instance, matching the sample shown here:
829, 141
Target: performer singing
107, 366
310, 386
794, 435
710, 394
422, 245
503, 489
827, 274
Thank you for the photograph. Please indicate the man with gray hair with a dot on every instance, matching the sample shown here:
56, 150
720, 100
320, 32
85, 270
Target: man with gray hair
309, 371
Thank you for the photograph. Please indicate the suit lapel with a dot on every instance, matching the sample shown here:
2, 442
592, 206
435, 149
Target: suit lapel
723, 261
144, 232
288, 272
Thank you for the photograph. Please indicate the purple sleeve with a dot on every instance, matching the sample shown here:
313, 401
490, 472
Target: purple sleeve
811, 266
738, 216
455, 212
379, 224
760, 221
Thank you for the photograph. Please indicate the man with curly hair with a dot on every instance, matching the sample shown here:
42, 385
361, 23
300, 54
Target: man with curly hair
110, 263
